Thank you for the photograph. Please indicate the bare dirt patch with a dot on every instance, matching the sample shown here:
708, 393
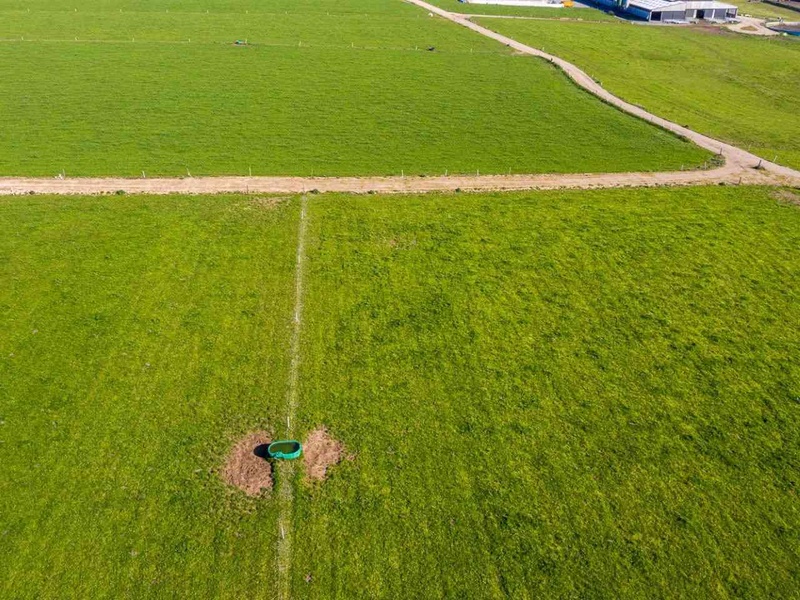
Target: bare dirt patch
786, 197
246, 466
320, 452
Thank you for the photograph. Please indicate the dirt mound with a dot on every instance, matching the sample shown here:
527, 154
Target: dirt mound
321, 451
246, 466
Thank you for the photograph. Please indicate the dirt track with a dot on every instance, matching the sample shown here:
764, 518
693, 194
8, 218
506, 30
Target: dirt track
740, 166
208, 185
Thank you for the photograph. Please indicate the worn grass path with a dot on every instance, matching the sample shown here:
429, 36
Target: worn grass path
286, 468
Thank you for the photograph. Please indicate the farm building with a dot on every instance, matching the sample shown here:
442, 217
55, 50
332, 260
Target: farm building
674, 10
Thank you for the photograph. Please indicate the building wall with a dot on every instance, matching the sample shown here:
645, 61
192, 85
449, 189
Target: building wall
718, 13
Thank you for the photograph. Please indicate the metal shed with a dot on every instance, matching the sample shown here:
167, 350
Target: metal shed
675, 10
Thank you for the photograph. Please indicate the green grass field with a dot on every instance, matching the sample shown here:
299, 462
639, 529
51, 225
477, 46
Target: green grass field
139, 338
327, 88
740, 89
562, 394
575, 12
766, 11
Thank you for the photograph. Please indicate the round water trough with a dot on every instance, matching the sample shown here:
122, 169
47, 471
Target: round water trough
285, 449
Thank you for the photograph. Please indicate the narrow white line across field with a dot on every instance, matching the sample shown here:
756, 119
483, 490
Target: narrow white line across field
286, 468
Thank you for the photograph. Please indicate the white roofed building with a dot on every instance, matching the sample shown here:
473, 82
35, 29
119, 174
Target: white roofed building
675, 10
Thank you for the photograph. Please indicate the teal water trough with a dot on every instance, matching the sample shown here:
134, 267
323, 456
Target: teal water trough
285, 449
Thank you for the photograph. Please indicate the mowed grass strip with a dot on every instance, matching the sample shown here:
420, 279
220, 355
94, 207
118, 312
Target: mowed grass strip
140, 337
550, 395
740, 89
338, 94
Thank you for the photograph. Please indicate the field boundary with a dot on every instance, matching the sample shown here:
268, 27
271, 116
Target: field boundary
286, 468
731, 173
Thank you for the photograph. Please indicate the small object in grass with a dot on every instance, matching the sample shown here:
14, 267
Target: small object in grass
285, 449
308, 578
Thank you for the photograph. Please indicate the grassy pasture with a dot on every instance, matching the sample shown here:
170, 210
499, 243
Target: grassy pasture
139, 336
576, 12
320, 91
741, 89
766, 11
581, 394
216, 6
548, 394
404, 28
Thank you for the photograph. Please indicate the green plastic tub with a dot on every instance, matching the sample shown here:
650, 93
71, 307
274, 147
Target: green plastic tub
285, 449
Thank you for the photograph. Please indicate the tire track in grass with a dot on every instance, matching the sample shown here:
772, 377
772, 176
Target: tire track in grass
286, 468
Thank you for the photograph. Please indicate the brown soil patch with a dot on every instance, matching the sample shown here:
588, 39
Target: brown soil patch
786, 196
321, 451
246, 466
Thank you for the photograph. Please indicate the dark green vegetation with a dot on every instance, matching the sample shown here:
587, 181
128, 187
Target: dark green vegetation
738, 88
548, 394
576, 12
324, 88
138, 337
